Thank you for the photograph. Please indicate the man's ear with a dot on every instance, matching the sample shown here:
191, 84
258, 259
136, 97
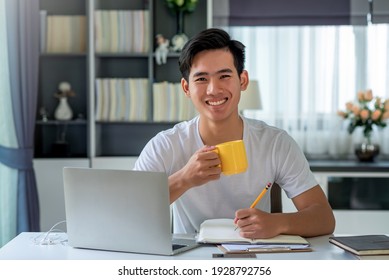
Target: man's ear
185, 87
244, 80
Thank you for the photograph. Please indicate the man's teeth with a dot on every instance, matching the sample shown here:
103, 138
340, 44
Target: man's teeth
215, 103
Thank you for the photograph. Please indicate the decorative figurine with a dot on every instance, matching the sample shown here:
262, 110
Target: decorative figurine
44, 114
162, 49
178, 42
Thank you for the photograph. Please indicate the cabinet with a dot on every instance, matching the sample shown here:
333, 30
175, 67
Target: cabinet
332, 176
86, 135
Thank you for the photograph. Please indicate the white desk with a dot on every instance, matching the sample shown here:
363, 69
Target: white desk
24, 247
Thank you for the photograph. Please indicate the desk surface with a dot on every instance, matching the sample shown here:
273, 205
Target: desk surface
25, 247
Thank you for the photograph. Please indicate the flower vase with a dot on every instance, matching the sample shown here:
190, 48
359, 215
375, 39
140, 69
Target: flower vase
367, 151
179, 40
63, 111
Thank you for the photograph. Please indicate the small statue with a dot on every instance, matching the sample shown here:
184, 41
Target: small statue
44, 114
63, 111
178, 42
162, 49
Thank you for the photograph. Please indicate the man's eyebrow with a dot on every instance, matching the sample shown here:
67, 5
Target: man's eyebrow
226, 70
199, 74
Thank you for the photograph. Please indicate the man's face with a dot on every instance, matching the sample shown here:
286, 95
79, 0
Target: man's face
214, 84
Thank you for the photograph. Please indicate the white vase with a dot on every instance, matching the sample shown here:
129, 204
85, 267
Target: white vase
63, 111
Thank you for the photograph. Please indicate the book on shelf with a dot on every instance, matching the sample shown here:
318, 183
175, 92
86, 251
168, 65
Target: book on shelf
99, 100
106, 100
43, 30
171, 103
122, 31
114, 31
63, 34
223, 233
112, 99
121, 99
363, 245
127, 99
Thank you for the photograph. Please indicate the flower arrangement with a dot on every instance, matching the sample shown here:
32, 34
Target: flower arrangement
181, 7
186, 6
367, 112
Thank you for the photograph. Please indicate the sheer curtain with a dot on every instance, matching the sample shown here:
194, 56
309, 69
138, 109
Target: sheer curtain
19, 60
8, 175
308, 73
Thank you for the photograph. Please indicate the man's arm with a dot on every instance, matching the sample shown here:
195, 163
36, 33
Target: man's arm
314, 217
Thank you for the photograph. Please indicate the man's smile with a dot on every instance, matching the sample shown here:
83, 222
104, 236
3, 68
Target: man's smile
216, 102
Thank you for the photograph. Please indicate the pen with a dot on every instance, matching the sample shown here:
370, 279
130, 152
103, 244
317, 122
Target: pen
259, 197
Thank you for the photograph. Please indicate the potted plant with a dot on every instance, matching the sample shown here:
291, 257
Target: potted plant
180, 8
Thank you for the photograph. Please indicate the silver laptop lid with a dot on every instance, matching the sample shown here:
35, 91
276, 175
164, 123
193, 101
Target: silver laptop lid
119, 210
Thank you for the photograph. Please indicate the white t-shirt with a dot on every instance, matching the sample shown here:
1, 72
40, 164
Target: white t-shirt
273, 156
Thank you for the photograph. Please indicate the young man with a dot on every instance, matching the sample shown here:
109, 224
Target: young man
213, 76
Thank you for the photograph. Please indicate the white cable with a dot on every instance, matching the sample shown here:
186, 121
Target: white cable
47, 240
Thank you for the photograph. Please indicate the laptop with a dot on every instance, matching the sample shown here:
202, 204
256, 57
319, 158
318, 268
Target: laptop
120, 210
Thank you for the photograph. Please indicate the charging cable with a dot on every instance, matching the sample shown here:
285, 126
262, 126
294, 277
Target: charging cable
51, 237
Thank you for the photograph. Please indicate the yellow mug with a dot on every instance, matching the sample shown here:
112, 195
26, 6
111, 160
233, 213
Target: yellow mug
232, 156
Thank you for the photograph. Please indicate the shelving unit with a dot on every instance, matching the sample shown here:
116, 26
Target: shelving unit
85, 136
98, 144
54, 68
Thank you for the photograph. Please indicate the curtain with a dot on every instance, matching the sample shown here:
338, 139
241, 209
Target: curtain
19, 58
308, 73
297, 12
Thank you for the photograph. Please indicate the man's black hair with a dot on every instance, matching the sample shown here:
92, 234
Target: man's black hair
211, 39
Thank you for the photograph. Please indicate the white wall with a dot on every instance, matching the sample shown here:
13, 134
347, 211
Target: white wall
50, 189
50, 184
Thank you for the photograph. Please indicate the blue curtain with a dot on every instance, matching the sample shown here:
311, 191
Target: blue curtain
22, 43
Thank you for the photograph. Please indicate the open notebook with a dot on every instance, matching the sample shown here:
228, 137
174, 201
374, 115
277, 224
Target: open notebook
120, 210
222, 232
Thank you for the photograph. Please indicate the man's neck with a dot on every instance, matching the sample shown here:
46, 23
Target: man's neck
213, 133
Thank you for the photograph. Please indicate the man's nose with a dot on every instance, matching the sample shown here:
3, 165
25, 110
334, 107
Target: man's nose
214, 87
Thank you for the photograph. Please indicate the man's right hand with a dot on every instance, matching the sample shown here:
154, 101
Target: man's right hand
202, 167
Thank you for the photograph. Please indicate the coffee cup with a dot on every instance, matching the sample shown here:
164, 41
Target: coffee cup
233, 157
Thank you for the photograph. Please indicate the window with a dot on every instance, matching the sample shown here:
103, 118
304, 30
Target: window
308, 73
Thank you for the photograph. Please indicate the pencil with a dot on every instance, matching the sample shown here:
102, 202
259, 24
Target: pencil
259, 197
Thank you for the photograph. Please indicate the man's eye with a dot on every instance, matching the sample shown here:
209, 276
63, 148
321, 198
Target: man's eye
224, 76
201, 79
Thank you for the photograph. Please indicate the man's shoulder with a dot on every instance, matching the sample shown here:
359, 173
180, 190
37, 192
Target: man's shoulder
180, 129
262, 127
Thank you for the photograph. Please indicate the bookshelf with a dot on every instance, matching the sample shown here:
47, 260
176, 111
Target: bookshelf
87, 134
57, 65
